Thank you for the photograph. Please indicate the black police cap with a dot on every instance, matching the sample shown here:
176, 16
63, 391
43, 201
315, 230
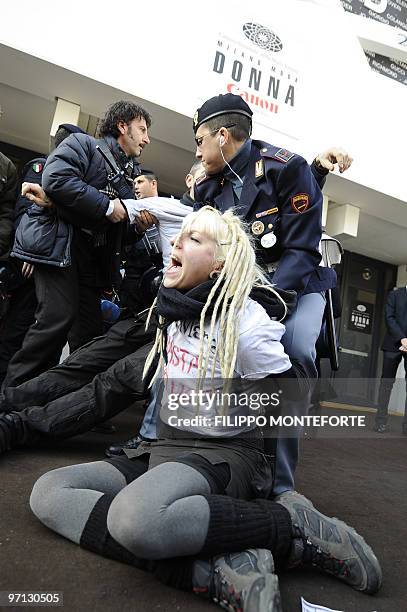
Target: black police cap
221, 105
73, 129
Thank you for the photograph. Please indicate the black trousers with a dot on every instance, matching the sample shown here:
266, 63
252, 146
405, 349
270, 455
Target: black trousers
68, 309
15, 324
96, 382
391, 362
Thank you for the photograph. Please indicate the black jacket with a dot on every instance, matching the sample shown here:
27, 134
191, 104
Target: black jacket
75, 173
396, 319
8, 194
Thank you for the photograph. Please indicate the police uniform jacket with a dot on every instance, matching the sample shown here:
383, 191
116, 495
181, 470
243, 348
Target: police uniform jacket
32, 173
40, 236
396, 320
8, 189
281, 197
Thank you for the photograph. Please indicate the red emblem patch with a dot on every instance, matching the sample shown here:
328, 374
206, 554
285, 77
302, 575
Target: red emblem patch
283, 155
300, 202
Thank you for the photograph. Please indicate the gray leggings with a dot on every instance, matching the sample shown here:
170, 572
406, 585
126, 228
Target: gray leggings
159, 515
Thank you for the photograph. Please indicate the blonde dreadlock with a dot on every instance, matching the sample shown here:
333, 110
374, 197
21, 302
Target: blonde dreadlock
238, 275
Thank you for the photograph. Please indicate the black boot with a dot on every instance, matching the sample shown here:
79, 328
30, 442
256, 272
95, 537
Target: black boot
115, 450
11, 431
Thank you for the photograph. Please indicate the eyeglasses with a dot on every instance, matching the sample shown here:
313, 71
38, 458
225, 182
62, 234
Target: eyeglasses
199, 140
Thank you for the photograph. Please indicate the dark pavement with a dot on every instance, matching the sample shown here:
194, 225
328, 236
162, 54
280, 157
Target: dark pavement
363, 481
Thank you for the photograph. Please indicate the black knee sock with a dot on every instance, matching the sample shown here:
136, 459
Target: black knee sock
175, 572
96, 537
236, 524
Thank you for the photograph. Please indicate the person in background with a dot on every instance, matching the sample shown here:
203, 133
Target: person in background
394, 349
8, 195
21, 314
142, 256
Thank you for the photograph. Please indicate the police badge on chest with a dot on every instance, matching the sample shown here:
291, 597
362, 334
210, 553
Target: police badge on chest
268, 239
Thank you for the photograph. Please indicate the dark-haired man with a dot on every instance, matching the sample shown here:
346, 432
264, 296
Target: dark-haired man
146, 185
277, 193
141, 256
77, 180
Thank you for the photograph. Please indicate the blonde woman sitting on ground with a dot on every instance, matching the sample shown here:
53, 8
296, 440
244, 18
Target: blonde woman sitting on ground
180, 507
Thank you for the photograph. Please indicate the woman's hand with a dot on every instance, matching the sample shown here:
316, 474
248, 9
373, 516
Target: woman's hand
27, 270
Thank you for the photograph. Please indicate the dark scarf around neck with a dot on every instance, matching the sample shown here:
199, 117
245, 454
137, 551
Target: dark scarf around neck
174, 305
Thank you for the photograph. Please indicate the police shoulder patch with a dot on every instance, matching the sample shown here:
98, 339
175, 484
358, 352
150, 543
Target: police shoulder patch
37, 167
283, 155
300, 202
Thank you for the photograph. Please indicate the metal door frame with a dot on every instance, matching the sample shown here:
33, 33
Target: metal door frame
344, 270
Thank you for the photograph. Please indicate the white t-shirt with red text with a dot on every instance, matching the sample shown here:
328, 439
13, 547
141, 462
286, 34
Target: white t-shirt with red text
259, 354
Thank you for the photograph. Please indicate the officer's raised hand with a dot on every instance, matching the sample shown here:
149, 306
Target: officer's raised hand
118, 213
403, 346
332, 157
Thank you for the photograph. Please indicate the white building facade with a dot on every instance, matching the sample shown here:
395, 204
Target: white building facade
315, 73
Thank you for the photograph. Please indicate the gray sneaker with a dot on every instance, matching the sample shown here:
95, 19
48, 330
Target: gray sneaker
332, 546
242, 581
292, 497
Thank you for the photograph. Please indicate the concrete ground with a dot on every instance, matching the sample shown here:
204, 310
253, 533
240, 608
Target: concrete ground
363, 481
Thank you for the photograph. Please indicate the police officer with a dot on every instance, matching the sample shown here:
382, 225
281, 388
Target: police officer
25, 310
8, 188
8, 193
277, 193
21, 301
